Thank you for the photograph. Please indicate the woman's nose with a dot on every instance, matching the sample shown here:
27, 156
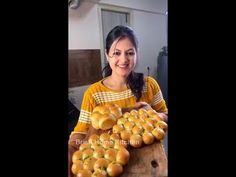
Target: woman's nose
124, 57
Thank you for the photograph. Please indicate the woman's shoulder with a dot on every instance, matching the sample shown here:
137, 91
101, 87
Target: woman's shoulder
150, 79
151, 82
95, 86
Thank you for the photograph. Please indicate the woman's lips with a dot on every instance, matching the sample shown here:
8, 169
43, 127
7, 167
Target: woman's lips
123, 66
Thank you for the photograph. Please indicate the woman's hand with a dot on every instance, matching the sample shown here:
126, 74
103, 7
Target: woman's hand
163, 116
146, 106
142, 104
137, 106
76, 139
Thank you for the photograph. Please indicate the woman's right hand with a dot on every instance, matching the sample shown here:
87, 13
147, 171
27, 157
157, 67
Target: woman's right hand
76, 139
73, 145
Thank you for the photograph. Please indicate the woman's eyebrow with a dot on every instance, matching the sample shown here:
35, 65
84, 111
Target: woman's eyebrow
131, 49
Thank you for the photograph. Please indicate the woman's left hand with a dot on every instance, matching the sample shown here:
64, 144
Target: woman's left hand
143, 105
147, 106
163, 116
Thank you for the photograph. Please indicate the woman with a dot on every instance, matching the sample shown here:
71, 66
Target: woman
121, 85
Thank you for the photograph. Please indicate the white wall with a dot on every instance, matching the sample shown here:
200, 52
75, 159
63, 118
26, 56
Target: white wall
84, 27
147, 19
151, 32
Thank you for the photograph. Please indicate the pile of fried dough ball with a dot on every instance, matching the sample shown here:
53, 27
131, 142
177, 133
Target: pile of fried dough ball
106, 154
100, 156
140, 127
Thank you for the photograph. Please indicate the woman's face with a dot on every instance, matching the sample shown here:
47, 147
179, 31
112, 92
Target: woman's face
122, 57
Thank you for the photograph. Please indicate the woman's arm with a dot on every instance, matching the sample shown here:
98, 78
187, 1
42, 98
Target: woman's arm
73, 145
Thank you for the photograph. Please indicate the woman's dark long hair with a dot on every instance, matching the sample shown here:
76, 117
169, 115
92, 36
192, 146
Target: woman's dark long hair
135, 81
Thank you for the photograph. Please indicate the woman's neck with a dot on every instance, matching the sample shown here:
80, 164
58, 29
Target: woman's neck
114, 82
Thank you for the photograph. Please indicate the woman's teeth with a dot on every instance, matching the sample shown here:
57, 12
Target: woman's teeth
122, 66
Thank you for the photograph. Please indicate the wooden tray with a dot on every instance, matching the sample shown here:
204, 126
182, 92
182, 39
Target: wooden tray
147, 161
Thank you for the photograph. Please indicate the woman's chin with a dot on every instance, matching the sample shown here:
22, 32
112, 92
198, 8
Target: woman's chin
124, 72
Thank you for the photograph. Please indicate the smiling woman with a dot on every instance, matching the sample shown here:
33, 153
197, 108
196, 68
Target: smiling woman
121, 85
121, 54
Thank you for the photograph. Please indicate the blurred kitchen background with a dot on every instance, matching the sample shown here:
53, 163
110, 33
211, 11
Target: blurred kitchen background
91, 20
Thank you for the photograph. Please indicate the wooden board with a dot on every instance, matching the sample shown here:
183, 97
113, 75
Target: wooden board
147, 161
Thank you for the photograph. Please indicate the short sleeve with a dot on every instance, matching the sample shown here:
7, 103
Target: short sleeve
87, 107
158, 103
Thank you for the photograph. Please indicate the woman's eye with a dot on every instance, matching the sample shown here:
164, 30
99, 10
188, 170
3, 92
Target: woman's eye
130, 53
116, 53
